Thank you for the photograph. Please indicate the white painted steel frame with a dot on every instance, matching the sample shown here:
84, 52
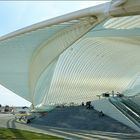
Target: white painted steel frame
72, 57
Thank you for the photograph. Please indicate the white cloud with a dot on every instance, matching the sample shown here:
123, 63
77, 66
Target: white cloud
85, 4
7, 97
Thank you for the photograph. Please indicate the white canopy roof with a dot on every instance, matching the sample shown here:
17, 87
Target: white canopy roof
74, 57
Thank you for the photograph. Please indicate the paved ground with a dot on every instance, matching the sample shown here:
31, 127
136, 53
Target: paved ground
83, 119
7, 121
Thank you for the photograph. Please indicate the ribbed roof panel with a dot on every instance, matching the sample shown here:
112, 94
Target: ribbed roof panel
93, 66
128, 22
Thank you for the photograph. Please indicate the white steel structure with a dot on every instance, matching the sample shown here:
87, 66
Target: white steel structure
73, 58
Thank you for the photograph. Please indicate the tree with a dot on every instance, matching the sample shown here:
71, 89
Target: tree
6, 109
0, 107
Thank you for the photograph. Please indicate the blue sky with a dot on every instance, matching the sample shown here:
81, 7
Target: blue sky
15, 15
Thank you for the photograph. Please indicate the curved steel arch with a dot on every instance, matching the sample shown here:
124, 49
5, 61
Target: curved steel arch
74, 54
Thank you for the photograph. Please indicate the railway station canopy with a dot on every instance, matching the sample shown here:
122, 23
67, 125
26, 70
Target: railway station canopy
75, 57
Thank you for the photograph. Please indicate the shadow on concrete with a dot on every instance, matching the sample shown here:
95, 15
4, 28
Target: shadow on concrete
82, 119
87, 122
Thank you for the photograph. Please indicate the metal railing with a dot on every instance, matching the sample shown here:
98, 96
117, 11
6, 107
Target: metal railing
132, 105
126, 110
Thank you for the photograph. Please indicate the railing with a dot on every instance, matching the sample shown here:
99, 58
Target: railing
128, 112
133, 106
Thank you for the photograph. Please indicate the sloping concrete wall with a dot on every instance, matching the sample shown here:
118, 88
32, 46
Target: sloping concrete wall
110, 110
